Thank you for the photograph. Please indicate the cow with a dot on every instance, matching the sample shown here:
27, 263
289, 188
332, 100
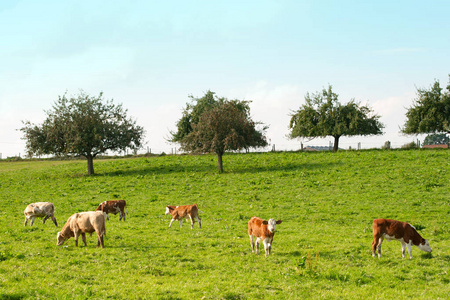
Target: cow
39, 210
113, 207
262, 230
82, 223
399, 231
183, 212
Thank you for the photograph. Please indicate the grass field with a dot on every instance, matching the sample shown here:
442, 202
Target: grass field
327, 202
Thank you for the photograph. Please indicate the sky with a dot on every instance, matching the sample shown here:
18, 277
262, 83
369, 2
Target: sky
150, 56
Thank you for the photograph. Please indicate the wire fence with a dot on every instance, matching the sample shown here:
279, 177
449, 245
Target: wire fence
307, 146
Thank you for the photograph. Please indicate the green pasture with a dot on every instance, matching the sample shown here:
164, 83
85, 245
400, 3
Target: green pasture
327, 202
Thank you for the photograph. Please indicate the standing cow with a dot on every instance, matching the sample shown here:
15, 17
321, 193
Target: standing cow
183, 212
113, 207
403, 232
262, 230
39, 210
82, 223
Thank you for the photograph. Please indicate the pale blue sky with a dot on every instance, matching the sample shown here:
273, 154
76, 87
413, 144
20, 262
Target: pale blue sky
150, 55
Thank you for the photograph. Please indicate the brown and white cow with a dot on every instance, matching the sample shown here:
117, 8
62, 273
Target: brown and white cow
399, 231
39, 210
82, 223
262, 230
183, 212
113, 207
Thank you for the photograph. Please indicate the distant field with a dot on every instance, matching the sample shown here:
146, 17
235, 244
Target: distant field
327, 202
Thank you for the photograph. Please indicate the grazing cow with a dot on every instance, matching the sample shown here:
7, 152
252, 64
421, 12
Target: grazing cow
113, 207
83, 222
399, 231
183, 212
262, 230
39, 210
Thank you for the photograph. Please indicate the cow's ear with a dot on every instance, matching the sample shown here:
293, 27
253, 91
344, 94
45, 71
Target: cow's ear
265, 222
279, 222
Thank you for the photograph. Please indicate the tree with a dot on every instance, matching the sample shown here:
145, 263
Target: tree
194, 109
436, 139
83, 126
222, 125
322, 115
430, 113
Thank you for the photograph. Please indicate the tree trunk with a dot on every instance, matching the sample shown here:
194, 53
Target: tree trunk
219, 161
336, 143
90, 160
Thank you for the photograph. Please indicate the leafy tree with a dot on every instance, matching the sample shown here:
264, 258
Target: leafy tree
436, 139
83, 126
323, 115
430, 112
222, 125
194, 109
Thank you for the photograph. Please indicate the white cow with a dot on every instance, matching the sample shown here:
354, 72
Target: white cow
39, 210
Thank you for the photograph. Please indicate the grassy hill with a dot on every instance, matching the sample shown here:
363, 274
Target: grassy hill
327, 202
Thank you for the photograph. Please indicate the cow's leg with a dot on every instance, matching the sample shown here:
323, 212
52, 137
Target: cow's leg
403, 248
374, 245
26, 220
76, 234
171, 221
409, 249
258, 240
32, 221
192, 221
181, 222
54, 221
83, 237
100, 240
45, 219
199, 221
380, 241
252, 243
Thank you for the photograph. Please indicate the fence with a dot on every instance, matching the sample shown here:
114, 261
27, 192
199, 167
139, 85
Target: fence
272, 147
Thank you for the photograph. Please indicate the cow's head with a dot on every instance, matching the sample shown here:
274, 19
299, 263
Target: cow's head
424, 245
271, 224
101, 206
168, 209
60, 239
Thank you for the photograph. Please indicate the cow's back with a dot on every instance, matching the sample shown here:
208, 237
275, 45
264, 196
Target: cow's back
392, 228
89, 221
255, 226
39, 209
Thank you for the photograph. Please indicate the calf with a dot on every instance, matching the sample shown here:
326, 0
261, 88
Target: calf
113, 207
83, 222
39, 210
400, 231
183, 212
262, 230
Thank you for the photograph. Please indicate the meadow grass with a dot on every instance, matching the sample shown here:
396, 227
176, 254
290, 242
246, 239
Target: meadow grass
327, 202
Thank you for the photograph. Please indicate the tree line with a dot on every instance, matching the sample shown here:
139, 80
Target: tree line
87, 125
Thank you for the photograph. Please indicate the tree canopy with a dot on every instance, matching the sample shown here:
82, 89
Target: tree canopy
213, 124
430, 112
83, 126
323, 115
